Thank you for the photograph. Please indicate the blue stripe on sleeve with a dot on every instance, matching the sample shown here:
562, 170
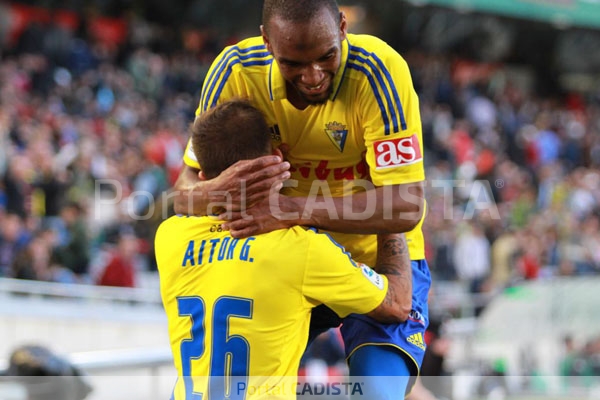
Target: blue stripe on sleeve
223, 59
226, 57
367, 73
386, 92
228, 72
381, 69
270, 82
394, 90
231, 57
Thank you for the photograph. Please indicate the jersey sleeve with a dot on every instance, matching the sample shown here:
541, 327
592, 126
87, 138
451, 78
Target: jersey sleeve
331, 277
217, 88
392, 122
189, 158
224, 81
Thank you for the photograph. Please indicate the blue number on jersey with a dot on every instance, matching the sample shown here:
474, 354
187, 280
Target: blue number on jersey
192, 348
230, 353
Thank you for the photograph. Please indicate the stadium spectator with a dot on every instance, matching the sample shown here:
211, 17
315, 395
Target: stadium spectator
121, 266
472, 256
13, 238
33, 261
579, 364
504, 251
72, 251
18, 185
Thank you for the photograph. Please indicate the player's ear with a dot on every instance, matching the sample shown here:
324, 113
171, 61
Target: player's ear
343, 25
201, 176
277, 152
263, 33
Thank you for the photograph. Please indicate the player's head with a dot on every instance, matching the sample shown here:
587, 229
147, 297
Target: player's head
305, 38
232, 131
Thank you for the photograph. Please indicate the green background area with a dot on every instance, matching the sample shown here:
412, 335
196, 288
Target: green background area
583, 13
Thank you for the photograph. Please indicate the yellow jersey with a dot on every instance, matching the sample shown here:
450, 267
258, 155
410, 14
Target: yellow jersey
369, 129
241, 308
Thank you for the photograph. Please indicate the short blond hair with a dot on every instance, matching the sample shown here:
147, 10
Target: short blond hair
231, 131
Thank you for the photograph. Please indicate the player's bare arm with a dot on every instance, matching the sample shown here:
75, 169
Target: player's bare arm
390, 209
239, 186
395, 208
393, 261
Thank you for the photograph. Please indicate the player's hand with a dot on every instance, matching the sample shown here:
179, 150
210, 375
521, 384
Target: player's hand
285, 150
270, 214
246, 182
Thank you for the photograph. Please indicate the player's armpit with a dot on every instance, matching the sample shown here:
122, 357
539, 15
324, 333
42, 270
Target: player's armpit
393, 261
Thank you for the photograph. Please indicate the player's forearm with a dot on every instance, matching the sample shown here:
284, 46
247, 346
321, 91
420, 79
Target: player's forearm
390, 209
188, 195
393, 261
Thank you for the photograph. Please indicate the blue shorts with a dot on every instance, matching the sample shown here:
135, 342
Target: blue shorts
408, 337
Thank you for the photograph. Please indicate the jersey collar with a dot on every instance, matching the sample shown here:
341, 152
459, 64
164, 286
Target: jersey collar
277, 83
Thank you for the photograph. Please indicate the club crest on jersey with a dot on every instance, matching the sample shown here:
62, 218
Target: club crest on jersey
337, 133
397, 152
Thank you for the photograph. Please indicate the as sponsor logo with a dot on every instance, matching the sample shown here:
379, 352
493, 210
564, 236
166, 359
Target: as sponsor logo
397, 152
373, 276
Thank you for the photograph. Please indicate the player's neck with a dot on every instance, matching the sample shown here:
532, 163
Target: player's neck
294, 97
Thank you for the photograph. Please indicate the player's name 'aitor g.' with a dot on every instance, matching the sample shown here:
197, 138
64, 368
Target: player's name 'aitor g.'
217, 249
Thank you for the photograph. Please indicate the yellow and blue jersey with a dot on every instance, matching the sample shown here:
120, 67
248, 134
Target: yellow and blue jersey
241, 308
370, 129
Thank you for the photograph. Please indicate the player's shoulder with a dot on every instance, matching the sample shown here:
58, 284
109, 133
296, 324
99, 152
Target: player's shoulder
317, 239
175, 220
372, 46
178, 223
167, 225
254, 41
248, 55
369, 42
299, 235
249, 46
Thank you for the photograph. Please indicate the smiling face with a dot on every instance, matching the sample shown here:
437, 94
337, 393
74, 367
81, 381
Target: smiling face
308, 54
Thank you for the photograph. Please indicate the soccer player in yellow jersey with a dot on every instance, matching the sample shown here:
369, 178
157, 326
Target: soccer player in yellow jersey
238, 309
344, 109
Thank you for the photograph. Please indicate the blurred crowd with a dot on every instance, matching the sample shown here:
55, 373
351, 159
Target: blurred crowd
580, 364
92, 133
92, 136
514, 184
